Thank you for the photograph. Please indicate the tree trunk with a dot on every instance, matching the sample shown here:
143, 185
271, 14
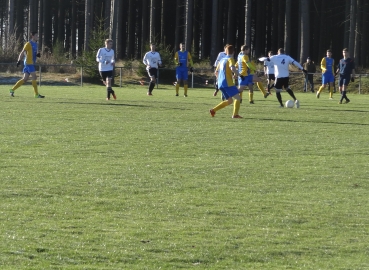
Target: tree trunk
32, 16
40, 23
152, 20
178, 36
260, 29
47, 15
196, 29
281, 18
73, 35
205, 33
88, 23
352, 27
61, 22
214, 32
347, 24
364, 42
189, 25
275, 33
287, 27
145, 25
11, 29
305, 30
107, 14
131, 29
358, 34
248, 22
231, 29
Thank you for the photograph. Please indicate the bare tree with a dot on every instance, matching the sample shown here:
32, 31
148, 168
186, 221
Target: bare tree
214, 32
32, 15
305, 30
231, 29
189, 24
11, 12
248, 22
358, 34
353, 15
88, 23
287, 27
152, 20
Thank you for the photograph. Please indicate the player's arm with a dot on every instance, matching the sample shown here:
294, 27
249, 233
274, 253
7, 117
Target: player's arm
112, 61
159, 60
232, 66
176, 59
189, 59
323, 65
216, 71
332, 66
217, 61
145, 61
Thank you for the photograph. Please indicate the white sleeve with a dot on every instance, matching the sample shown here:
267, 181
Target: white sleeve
98, 58
159, 61
113, 57
297, 64
218, 59
145, 60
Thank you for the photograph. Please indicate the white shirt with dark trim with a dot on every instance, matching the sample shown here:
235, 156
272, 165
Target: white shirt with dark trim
269, 67
106, 59
152, 59
281, 65
221, 55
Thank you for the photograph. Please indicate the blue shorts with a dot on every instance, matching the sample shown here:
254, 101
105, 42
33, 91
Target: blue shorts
29, 69
246, 80
327, 78
229, 92
344, 80
182, 74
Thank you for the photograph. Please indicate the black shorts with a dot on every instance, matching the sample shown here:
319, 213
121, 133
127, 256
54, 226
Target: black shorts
282, 82
153, 72
271, 77
106, 74
344, 80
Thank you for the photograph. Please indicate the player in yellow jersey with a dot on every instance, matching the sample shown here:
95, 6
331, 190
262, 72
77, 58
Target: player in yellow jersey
183, 60
29, 53
255, 79
327, 66
244, 80
225, 72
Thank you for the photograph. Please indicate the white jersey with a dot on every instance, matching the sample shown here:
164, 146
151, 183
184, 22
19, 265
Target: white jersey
281, 64
152, 59
269, 67
221, 55
106, 59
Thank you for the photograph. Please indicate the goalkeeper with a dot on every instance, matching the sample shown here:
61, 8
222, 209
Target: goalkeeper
183, 60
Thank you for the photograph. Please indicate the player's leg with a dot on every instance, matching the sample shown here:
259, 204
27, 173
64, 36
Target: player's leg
185, 81
289, 91
34, 84
236, 106
109, 80
153, 75
331, 90
20, 82
311, 79
260, 85
228, 100
179, 80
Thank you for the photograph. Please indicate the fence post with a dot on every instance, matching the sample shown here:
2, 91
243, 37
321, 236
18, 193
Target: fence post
120, 74
39, 79
359, 84
81, 76
192, 80
157, 80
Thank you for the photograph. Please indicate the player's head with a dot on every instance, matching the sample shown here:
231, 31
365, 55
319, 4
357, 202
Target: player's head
270, 53
182, 46
345, 52
308, 59
280, 51
34, 35
329, 53
229, 50
108, 43
245, 49
225, 47
152, 47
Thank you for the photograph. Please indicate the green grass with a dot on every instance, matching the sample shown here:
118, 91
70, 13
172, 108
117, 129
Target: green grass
156, 183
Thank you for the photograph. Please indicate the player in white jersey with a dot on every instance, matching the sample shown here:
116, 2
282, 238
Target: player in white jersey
220, 56
269, 72
281, 70
105, 57
152, 60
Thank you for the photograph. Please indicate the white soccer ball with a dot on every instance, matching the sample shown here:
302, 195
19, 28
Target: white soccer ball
289, 104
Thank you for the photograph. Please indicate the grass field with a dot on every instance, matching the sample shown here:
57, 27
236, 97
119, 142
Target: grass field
156, 183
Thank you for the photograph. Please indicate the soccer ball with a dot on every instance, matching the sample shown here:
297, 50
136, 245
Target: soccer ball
289, 104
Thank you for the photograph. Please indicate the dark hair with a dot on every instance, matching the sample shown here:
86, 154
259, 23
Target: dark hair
244, 47
229, 49
33, 33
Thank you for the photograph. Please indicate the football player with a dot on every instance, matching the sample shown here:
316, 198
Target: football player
152, 60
